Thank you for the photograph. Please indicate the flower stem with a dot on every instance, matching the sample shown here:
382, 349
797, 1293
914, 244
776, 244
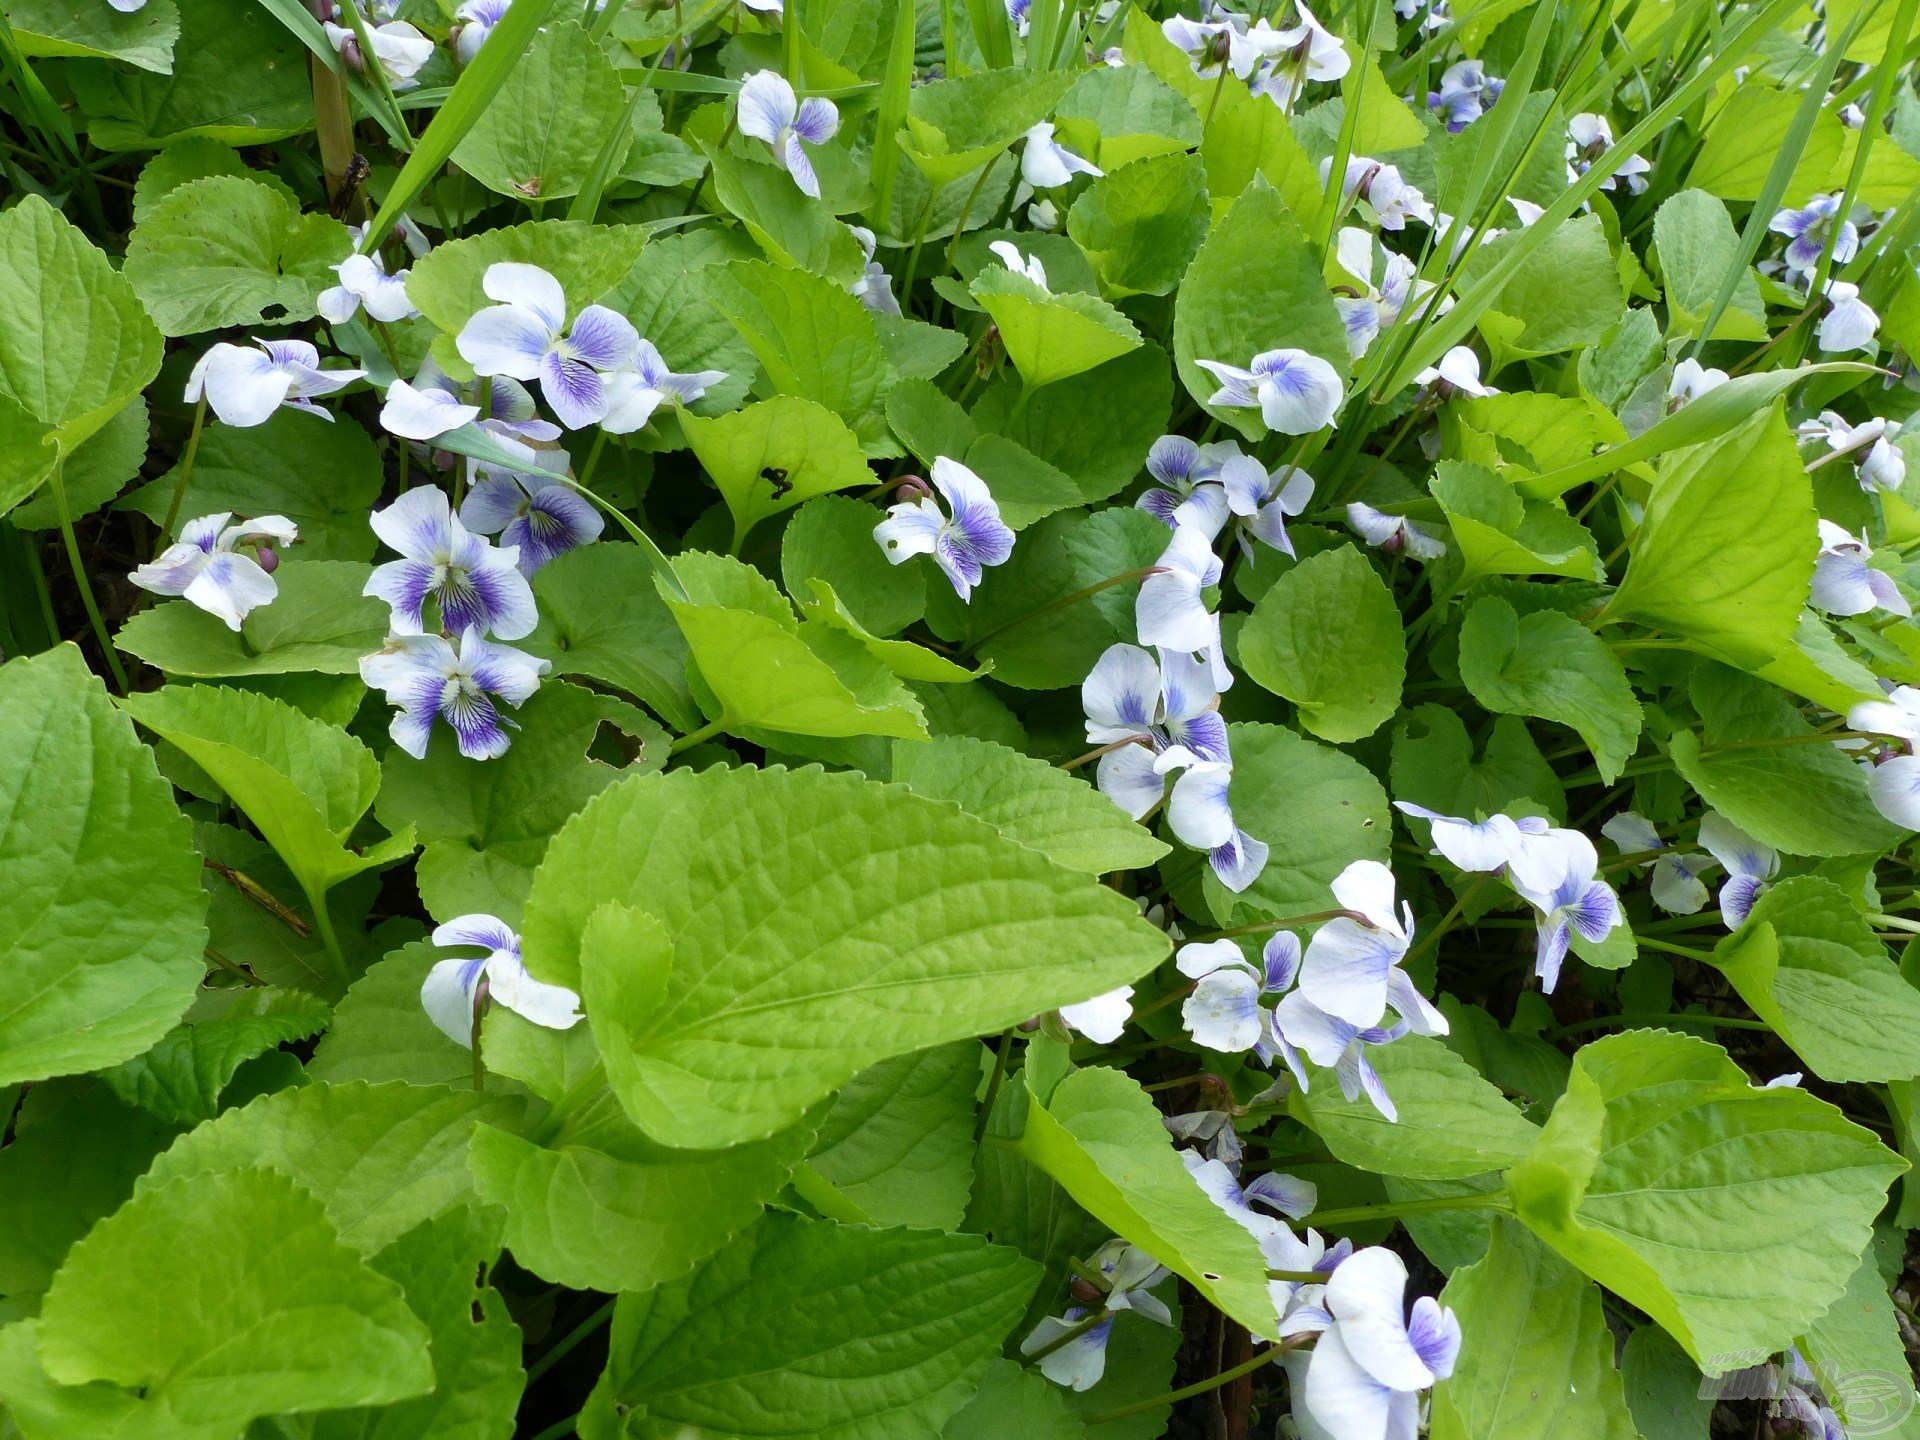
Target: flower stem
566, 1345
593, 456
1200, 1387
559, 1428
994, 1081
57, 483
186, 473
1393, 1210
1285, 922
1895, 922
323, 922
1299, 1277
1066, 1337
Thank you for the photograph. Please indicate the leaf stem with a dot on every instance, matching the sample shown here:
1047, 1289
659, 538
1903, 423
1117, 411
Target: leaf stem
323, 922
695, 737
994, 1081
560, 1428
57, 483
1285, 922
1200, 1387
1062, 602
186, 473
1066, 1337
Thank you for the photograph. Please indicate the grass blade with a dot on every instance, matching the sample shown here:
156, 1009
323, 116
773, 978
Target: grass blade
471, 96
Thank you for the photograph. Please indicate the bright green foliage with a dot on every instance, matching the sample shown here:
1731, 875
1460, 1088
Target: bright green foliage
144, 38
1725, 554
1100, 1137
302, 782
854, 1332
1734, 1255
180, 1079
75, 345
1052, 337
104, 953
956, 125
1451, 1124
1547, 1367
380, 1158
1027, 800
772, 456
1548, 665
231, 251
957, 950
322, 477
539, 138
1809, 964
1695, 240
1254, 286
602, 618
1327, 637
1500, 533
321, 624
898, 1139
601, 1206
212, 1322
587, 260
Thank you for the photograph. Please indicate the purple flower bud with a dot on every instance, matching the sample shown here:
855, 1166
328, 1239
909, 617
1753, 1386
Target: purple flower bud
910, 488
268, 559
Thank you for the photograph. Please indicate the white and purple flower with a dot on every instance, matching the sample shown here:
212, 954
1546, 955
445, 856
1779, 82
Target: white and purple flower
770, 111
1295, 392
538, 516
526, 337
1810, 227
1458, 373
1225, 1011
451, 993
1392, 200
1750, 865
1393, 534
1589, 136
206, 568
1466, 93
476, 19
1352, 966
635, 392
1046, 164
1129, 1275
1849, 324
245, 385
1558, 873
474, 584
1894, 781
964, 543
429, 679
365, 284
1845, 584
1167, 708
1870, 446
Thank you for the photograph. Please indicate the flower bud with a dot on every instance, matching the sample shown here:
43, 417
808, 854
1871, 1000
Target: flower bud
910, 488
268, 558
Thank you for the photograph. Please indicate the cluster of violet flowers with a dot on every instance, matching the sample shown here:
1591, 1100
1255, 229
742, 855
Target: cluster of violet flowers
1358, 1360
1277, 63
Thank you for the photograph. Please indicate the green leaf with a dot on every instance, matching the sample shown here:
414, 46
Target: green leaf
974, 934
600, 1206
956, 125
323, 477
381, 1159
231, 251
768, 670
104, 951
143, 39
1028, 800
904, 658
1012, 1401
1664, 1387
180, 1079
442, 1266
1729, 1213
303, 783
1335, 813
1746, 137
186, 160
1803, 798
1026, 487
539, 137
214, 1322
319, 623
1142, 223
97, 470
1102, 1139
1499, 533
1808, 963
75, 1153
1542, 1366
1452, 1122
1051, 336
809, 1330
1255, 286
1858, 1353
381, 1032
1115, 115
812, 337
587, 260
1564, 294
1549, 665
830, 539
485, 827
898, 1139
1696, 243
237, 77
776, 454
1433, 765
1328, 637
1096, 427
75, 343
790, 228
1724, 557
601, 617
